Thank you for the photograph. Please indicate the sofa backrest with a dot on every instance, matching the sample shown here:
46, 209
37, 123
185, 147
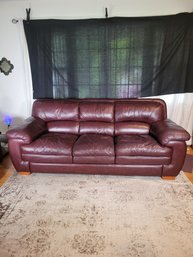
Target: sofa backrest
100, 116
96, 118
60, 116
135, 117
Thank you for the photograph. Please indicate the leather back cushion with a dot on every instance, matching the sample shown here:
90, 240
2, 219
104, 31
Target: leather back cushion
70, 127
96, 118
128, 128
53, 110
93, 127
97, 111
140, 111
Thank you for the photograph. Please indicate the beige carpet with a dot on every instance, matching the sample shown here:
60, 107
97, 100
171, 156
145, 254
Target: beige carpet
56, 215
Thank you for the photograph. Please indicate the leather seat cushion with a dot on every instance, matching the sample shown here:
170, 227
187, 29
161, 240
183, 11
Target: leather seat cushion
93, 148
140, 145
94, 145
51, 144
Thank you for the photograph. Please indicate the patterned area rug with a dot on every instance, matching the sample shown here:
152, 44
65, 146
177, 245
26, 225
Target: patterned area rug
58, 215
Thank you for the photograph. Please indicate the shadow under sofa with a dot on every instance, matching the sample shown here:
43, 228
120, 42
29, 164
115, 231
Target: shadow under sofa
99, 136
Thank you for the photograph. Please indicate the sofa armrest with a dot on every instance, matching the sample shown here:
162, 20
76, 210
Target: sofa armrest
28, 131
167, 130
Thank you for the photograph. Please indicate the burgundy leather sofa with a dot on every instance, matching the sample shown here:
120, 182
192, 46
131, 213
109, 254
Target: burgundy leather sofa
92, 136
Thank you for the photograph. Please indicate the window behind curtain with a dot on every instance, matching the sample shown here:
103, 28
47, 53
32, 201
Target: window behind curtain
113, 58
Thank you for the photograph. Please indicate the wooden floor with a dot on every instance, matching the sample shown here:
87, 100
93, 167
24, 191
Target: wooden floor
188, 174
7, 169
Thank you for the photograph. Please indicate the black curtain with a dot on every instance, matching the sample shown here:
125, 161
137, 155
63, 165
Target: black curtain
111, 58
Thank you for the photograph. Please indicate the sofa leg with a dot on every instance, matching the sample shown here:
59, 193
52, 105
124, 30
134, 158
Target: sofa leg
168, 177
26, 173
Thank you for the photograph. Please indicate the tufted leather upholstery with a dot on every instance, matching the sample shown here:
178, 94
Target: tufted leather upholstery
103, 136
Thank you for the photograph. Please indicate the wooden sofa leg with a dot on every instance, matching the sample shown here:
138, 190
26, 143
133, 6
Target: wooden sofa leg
25, 173
168, 177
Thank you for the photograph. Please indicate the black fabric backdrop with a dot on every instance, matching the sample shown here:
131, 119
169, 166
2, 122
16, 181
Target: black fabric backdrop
111, 58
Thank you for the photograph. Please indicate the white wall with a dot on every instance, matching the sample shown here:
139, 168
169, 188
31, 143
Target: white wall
16, 89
